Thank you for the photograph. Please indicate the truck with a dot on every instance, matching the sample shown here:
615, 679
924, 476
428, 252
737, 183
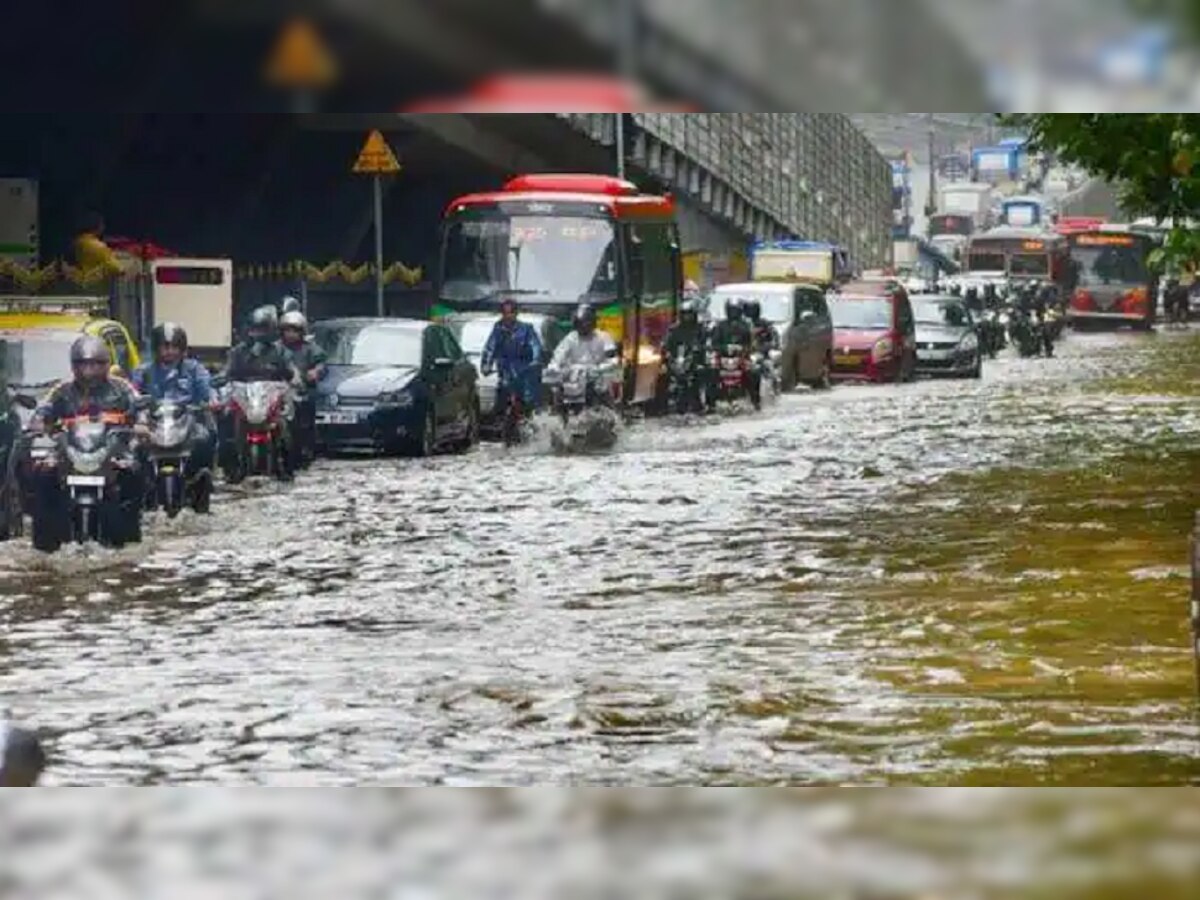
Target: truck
972, 199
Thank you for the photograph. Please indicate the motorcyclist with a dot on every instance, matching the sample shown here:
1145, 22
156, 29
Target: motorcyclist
1175, 300
764, 339
92, 392
733, 329
974, 301
174, 378
515, 348
260, 357
690, 335
22, 758
586, 346
309, 360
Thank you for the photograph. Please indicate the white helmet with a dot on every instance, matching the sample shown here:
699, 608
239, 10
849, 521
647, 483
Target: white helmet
293, 319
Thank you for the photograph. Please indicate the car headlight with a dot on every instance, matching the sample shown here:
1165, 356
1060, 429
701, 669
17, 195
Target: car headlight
882, 350
403, 399
969, 343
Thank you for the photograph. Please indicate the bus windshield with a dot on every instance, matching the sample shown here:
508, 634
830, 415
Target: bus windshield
1100, 266
1029, 264
563, 259
986, 261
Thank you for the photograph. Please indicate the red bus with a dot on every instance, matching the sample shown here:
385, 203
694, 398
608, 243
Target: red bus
555, 241
1112, 283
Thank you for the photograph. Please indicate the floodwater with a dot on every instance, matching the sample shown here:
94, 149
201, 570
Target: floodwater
937, 583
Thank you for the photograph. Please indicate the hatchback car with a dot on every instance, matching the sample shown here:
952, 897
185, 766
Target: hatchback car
472, 331
874, 332
395, 385
800, 317
947, 337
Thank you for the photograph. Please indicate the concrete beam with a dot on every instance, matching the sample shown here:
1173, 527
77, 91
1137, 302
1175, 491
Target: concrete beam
462, 132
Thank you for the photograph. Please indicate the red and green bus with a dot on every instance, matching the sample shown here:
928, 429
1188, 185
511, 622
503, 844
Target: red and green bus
555, 241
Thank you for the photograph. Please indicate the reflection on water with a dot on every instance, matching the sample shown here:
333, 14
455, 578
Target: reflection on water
968, 583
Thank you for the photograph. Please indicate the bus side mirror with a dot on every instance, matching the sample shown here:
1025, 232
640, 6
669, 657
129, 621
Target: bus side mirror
637, 270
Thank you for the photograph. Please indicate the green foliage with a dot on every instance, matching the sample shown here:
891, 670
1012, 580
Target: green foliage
1152, 158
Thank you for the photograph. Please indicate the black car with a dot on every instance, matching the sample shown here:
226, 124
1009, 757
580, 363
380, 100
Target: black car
11, 505
396, 385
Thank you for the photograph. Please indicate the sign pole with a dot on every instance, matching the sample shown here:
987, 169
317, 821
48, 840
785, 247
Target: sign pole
378, 181
377, 159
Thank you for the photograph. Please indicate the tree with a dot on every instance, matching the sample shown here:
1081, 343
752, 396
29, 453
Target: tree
1151, 157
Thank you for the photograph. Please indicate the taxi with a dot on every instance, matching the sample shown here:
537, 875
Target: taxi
38, 333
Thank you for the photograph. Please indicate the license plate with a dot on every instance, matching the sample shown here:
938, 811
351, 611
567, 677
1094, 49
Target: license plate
86, 480
843, 359
337, 418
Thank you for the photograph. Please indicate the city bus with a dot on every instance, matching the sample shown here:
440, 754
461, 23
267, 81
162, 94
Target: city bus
1113, 284
1022, 254
555, 241
813, 262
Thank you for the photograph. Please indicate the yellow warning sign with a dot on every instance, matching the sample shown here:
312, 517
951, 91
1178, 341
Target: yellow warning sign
376, 157
301, 59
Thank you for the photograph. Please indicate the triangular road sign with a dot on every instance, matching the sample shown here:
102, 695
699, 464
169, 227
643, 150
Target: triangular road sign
376, 157
300, 59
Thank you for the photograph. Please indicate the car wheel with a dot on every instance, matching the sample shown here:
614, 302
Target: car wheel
472, 437
425, 444
823, 381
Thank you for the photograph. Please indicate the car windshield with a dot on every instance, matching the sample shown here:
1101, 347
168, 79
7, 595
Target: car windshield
776, 307
1101, 266
370, 345
559, 258
941, 312
35, 361
866, 313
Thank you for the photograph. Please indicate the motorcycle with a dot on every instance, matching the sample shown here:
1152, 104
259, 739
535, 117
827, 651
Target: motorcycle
992, 327
766, 369
686, 381
80, 471
514, 424
1026, 331
261, 413
169, 451
583, 404
732, 364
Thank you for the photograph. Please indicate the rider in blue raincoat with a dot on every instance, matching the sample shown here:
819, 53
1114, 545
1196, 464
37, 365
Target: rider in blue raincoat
516, 350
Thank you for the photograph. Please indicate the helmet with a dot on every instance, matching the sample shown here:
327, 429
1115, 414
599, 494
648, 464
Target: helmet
752, 309
264, 325
733, 310
289, 304
294, 319
585, 319
88, 349
168, 333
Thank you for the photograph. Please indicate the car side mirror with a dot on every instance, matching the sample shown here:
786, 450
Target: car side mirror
25, 401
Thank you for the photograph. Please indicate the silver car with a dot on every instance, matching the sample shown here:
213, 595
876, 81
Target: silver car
473, 330
947, 337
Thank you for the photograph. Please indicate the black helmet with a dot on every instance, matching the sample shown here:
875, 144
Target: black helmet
585, 319
168, 333
22, 758
733, 310
752, 310
89, 349
264, 325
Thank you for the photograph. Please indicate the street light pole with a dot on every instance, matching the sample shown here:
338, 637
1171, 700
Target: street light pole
626, 32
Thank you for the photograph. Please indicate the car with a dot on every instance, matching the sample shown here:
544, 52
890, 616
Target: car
11, 502
947, 337
472, 331
396, 385
801, 318
874, 332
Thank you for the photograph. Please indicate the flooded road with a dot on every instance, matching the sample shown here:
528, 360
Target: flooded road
951, 583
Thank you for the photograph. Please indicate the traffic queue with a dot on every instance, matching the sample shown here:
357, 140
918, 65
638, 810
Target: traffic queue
86, 458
